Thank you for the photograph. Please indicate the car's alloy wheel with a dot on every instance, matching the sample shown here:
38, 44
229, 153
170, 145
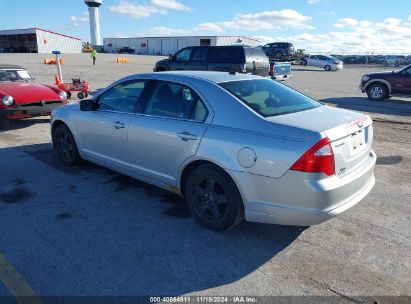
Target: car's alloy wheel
278, 55
377, 92
327, 68
65, 146
214, 198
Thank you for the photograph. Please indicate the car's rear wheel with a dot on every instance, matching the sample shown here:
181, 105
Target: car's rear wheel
4, 122
214, 198
377, 92
327, 68
68, 95
65, 146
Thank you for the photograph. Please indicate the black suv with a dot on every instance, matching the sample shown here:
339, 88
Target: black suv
279, 50
127, 50
239, 59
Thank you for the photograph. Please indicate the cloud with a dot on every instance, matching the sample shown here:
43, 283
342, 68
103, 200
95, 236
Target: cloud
346, 22
267, 20
78, 21
360, 36
137, 11
313, 1
170, 4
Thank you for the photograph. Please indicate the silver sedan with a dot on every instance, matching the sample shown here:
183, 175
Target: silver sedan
235, 146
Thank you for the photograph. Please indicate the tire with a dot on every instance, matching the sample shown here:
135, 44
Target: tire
304, 62
377, 92
68, 95
4, 123
214, 198
65, 146
85, 94
278, 55
385, 63
327, 68
80, 95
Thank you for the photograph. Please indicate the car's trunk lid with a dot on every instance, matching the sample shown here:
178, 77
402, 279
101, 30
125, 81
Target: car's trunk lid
350, 133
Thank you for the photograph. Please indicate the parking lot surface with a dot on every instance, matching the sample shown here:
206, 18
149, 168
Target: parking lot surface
89, 231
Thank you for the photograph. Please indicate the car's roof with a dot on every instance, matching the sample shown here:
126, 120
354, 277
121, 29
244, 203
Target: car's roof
10, 67
215, 77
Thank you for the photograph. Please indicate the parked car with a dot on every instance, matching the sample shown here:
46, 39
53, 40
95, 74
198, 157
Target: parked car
279, 50
21, 97
127, 50
395, 60
355, 59
380, 86
328, 63
217, 58
234, 146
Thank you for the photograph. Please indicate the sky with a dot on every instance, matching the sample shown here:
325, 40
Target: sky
343, 26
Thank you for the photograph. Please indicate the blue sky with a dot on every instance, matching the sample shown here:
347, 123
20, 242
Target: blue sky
318, 25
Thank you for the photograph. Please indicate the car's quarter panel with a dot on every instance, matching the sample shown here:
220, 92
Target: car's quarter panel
102, 138
255, 152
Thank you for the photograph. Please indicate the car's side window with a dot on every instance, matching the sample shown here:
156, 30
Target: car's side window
183, 55
199, 54
122, 97
176, 100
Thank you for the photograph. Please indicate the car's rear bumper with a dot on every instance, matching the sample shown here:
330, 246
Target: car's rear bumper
303, 199
31, 109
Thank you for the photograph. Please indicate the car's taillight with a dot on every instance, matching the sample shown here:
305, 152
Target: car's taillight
319, 158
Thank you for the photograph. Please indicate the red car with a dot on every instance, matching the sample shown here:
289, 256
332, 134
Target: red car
22, 97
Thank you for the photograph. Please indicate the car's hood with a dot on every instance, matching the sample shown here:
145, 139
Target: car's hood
334, 123
378, 74
23, 92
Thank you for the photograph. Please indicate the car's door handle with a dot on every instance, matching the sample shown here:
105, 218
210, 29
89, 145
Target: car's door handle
119, 125
185, 136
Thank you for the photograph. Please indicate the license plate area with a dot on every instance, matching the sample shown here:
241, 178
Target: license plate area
358, 140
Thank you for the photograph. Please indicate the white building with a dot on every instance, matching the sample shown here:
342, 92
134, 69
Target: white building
170, 45
35, 40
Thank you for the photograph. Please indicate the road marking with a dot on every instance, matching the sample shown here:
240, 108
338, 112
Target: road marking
16, 284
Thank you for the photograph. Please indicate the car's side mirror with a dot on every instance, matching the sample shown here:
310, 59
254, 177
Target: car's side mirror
87, 105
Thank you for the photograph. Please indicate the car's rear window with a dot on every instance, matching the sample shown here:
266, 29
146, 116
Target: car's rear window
268, 97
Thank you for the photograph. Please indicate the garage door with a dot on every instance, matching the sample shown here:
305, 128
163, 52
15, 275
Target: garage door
166, 47
154, 47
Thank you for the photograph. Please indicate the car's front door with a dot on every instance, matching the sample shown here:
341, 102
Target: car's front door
401, 82
103, 132
181, 59
168, 132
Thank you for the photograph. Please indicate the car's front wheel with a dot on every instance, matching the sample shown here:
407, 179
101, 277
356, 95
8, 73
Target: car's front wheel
377, 92
65, 146
214, 198
327, 68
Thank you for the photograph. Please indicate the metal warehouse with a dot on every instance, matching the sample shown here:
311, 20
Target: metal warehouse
170, 45
35, 40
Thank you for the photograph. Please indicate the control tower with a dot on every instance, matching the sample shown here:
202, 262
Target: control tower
93, 6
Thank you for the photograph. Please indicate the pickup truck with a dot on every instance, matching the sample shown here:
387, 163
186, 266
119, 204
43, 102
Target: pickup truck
239, 59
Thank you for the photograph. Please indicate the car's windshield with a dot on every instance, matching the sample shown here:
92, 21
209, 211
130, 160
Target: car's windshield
269, 98
14, 75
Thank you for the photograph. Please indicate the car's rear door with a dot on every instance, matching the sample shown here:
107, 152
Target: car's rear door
167, 132
102, 133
